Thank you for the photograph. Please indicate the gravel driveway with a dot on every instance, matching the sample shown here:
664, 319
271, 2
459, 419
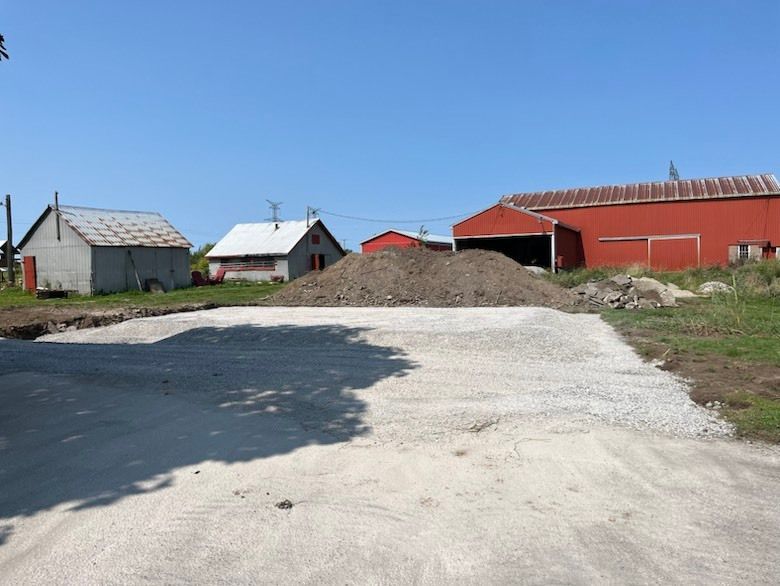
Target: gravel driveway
416, 445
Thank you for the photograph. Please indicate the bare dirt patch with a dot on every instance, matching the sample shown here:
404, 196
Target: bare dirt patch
419, 277
28, 323
712, 378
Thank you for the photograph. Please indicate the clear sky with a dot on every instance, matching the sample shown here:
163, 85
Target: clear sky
394, 109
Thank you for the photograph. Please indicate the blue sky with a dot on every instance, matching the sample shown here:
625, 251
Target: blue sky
397, 110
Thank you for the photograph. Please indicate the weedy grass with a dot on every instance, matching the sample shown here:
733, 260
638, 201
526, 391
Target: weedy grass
754, 416
232, 293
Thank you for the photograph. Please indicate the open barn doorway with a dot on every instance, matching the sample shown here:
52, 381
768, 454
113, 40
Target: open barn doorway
532, 250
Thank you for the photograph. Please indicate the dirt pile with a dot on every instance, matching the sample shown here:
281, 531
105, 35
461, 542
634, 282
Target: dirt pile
419, 277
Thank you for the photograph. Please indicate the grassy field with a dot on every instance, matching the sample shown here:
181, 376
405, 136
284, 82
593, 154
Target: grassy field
728, 345
225, 294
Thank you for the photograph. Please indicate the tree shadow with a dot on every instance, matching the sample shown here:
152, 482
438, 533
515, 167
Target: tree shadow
128, 415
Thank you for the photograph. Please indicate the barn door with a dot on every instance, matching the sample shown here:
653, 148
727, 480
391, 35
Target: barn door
317, 262
673, 254
30, 273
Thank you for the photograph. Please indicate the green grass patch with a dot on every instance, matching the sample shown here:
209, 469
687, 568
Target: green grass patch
747, 329
225, 294
754, 416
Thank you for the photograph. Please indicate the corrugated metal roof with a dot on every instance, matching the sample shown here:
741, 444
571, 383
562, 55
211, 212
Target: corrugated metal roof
434, 238
262, 239
100, 227
685, 189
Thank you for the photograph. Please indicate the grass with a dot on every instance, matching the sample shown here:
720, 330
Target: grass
722, 343
757, 417
233, 293
747, 329
722, 332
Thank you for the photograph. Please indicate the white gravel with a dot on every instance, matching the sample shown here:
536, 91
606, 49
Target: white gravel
495, 362
417, 446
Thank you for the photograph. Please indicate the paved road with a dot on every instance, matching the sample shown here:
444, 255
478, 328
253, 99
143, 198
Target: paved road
429, 446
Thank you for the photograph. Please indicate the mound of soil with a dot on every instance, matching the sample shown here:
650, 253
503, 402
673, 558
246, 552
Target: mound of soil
420, 277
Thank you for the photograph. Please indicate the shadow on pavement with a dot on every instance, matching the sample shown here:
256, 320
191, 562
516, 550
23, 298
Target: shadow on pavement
128, 415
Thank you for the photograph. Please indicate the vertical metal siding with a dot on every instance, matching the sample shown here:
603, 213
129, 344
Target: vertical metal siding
114, 271
672, 255
720, 222
501, 220
567, 246
61, 264
388, 240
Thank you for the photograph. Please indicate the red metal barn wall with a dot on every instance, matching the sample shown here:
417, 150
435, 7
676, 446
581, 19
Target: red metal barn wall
568, 248
720, 222
399, 241
388, 240
499, 220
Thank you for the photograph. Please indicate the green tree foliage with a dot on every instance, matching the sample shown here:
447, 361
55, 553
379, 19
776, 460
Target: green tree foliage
198, 260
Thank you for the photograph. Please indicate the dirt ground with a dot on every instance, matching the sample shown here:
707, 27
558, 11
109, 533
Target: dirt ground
420, 277
482, 445
711, 380
28, 322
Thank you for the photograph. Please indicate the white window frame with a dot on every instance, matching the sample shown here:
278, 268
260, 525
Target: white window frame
743, 252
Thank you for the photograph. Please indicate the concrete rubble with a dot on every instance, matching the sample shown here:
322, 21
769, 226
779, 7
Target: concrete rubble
711, 287
627, 292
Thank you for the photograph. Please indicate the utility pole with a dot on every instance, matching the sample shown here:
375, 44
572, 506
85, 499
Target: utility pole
9, 243
311, 213
57, 213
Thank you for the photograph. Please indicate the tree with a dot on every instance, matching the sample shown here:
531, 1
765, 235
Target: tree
198, 260
3, 51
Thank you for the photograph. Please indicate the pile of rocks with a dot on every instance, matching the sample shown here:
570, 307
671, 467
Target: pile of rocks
626, 292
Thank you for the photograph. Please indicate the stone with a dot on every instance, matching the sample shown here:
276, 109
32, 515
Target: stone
621, 280
714, 287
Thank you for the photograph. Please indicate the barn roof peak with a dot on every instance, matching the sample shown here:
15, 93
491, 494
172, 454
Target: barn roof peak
651, 191
104, 227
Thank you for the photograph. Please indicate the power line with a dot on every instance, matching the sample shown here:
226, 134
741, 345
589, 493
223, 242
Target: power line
418, 221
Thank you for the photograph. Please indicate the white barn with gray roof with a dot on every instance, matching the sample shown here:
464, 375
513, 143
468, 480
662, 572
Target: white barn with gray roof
274, 250
93, 251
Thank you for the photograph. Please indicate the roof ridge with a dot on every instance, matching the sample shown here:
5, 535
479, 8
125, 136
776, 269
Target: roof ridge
66, 206
619, 185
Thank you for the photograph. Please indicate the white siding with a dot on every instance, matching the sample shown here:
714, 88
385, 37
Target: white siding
61, 264
281, 269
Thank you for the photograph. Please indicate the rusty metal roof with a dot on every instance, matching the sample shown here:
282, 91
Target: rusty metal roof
682, 190
122, 228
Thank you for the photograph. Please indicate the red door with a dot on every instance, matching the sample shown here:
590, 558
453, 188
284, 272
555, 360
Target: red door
30, 273
674, 254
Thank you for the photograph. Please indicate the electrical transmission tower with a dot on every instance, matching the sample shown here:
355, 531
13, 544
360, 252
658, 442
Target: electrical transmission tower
674, 175
274, 205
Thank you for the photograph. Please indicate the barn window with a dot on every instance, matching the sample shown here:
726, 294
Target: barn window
315, 238
744, 252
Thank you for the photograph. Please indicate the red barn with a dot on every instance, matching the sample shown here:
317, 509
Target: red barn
403, 239
664, 225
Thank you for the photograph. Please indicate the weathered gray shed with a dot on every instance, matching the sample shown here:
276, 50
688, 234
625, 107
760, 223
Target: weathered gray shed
268, 250
103, 251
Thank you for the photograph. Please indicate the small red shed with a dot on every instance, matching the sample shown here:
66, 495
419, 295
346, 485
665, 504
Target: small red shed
403, 239
664, 225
